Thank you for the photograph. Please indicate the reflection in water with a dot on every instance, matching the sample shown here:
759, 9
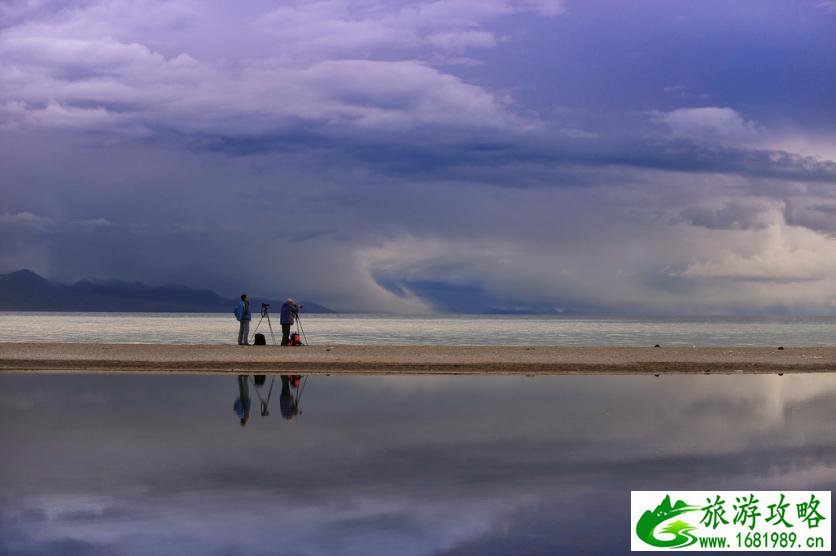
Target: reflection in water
242, 403
387, 465
289, 400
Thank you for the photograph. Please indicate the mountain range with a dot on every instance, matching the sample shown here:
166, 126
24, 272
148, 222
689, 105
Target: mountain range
25, 290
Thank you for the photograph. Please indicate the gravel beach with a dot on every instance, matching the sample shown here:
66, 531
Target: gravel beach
421, 359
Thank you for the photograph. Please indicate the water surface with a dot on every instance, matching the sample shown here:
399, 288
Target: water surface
449, 330
415, 465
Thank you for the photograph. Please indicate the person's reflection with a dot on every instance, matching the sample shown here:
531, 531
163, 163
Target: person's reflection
289, 402
289, 399
242, 404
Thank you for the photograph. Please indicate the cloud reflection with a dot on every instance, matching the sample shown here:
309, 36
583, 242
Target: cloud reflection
407, 465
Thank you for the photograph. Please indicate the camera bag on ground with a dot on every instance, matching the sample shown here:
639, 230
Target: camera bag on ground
259, 340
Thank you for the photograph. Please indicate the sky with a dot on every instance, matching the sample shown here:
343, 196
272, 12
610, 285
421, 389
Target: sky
648, 157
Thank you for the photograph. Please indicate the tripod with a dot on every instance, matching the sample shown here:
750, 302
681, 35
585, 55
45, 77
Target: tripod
300, 329
266, 403
265, 312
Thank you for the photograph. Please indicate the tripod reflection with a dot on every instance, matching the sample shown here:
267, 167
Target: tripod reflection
290, 397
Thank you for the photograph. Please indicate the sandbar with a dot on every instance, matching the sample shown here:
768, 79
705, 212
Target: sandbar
412, 359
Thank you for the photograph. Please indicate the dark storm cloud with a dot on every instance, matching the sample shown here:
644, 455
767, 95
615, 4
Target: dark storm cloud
724, 160
733, 216
492, 147
815, 216
545, 163
528, 160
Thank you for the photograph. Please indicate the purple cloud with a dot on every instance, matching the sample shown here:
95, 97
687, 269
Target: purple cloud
536, 151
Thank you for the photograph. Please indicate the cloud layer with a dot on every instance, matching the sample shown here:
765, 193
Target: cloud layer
373, 155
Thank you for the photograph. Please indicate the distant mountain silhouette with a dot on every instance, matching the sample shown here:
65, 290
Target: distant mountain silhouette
26, 291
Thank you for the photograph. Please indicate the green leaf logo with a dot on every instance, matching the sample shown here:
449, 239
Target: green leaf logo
681, 531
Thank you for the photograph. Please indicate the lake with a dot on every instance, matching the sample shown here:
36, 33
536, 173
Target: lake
412, 465
446, 329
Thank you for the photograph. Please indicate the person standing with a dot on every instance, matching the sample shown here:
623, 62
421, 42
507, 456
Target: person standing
242, 313
287, 318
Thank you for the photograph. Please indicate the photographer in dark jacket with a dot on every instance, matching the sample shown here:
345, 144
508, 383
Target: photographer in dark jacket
242, 313
288, 316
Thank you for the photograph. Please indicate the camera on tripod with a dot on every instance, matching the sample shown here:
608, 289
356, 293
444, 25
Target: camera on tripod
296, 338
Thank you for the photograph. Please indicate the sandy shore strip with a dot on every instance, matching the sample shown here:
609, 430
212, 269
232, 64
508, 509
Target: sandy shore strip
417, 359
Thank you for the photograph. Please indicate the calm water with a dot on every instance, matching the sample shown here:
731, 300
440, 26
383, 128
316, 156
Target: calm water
388, 465
365, 329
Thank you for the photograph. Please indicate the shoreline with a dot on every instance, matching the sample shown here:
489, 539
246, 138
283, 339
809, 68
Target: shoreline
411, 359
